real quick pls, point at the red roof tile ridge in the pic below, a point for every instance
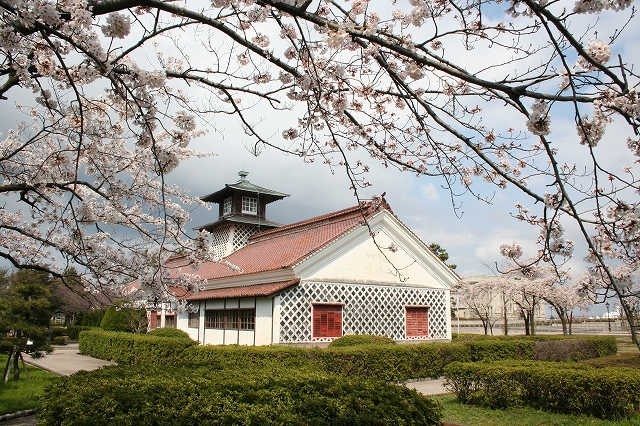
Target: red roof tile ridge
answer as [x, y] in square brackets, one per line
[344, 214]
[371, 214]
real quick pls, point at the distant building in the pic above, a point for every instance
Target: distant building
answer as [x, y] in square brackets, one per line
[312, 281]
[498, 305]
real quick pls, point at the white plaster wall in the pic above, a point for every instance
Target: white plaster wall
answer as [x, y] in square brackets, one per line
[232, 303]
[245, 337]
[264, 321]
[214, 304]
[182, 323]
[201, 306]
[276, 320]
[230, 337]
[247, 303]
[213, 336]
[365, 264]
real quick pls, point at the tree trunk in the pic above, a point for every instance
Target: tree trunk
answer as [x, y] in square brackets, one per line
[570, 322]
[16, 358]
[562, 315]
[504, 314]
[526, 325]
[532, 320]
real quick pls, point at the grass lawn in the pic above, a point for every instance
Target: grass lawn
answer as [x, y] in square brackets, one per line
[25, 394]
[470, 415]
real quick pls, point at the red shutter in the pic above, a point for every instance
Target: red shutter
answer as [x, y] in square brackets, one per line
[154, 320]
[327, 321]
[417, 322]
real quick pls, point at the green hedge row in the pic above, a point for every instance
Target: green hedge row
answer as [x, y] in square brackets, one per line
[562, 387]
[73, 331]
[169, 395]
[361, 339]
[381, 361]
[129, 348]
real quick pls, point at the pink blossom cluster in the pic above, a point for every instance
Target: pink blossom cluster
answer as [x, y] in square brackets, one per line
[598, 52]
[539, 121]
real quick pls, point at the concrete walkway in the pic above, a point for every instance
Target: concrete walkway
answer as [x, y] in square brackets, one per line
[66, 360]
[428, 387]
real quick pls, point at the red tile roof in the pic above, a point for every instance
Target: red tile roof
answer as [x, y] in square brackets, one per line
[257, 290]
[283, 247]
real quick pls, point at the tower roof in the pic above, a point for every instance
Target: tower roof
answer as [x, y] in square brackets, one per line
[244, 186]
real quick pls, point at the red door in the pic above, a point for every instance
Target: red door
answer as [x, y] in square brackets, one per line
[327, 321]
[417, 322]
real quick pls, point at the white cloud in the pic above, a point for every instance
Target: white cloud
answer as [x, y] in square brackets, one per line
[430, 192]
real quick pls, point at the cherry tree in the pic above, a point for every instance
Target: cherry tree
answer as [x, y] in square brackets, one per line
[565, 298]
[114, 91]
[478, 296]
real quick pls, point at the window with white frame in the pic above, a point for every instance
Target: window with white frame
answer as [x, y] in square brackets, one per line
[226, 207]
[249, 205]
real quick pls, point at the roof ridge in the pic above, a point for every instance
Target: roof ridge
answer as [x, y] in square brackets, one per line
[305, 224]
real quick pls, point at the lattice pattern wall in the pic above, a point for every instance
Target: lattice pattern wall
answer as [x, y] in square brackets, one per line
[368, 309]
[220, 241]
[241, 235]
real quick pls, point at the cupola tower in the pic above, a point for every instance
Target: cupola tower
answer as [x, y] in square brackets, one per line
[242, 209]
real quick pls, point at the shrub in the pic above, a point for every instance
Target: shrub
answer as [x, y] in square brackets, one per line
[119, 317]
[569, 388]
[161, 395]
[6, 346]
[361, 339]
[575, 348]
[128, 348]
[170, 332]
[59, 341]
[498, 349]
[73, 331]
[89, 319]
[59, 331]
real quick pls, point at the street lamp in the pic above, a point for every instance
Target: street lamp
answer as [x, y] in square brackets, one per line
[608, 316]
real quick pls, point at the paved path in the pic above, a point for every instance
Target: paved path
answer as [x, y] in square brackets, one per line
[428, 387]
[66, 360]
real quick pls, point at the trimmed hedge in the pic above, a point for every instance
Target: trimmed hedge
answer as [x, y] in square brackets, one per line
[161, 395]
[174, 333]
[73, 331]
[234, 356]
[562, 387]
[361, 339]
[127, 348]
[380, 361]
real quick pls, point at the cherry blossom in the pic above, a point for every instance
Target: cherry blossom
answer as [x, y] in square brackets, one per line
[113, 94]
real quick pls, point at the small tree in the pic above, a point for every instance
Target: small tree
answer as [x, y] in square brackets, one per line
[122, 316]
[26, 309]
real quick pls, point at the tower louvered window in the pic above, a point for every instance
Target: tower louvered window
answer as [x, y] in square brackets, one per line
[417, 321]
[327, 321]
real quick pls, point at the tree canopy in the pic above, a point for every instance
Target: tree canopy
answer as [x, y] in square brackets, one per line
[465, 91]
